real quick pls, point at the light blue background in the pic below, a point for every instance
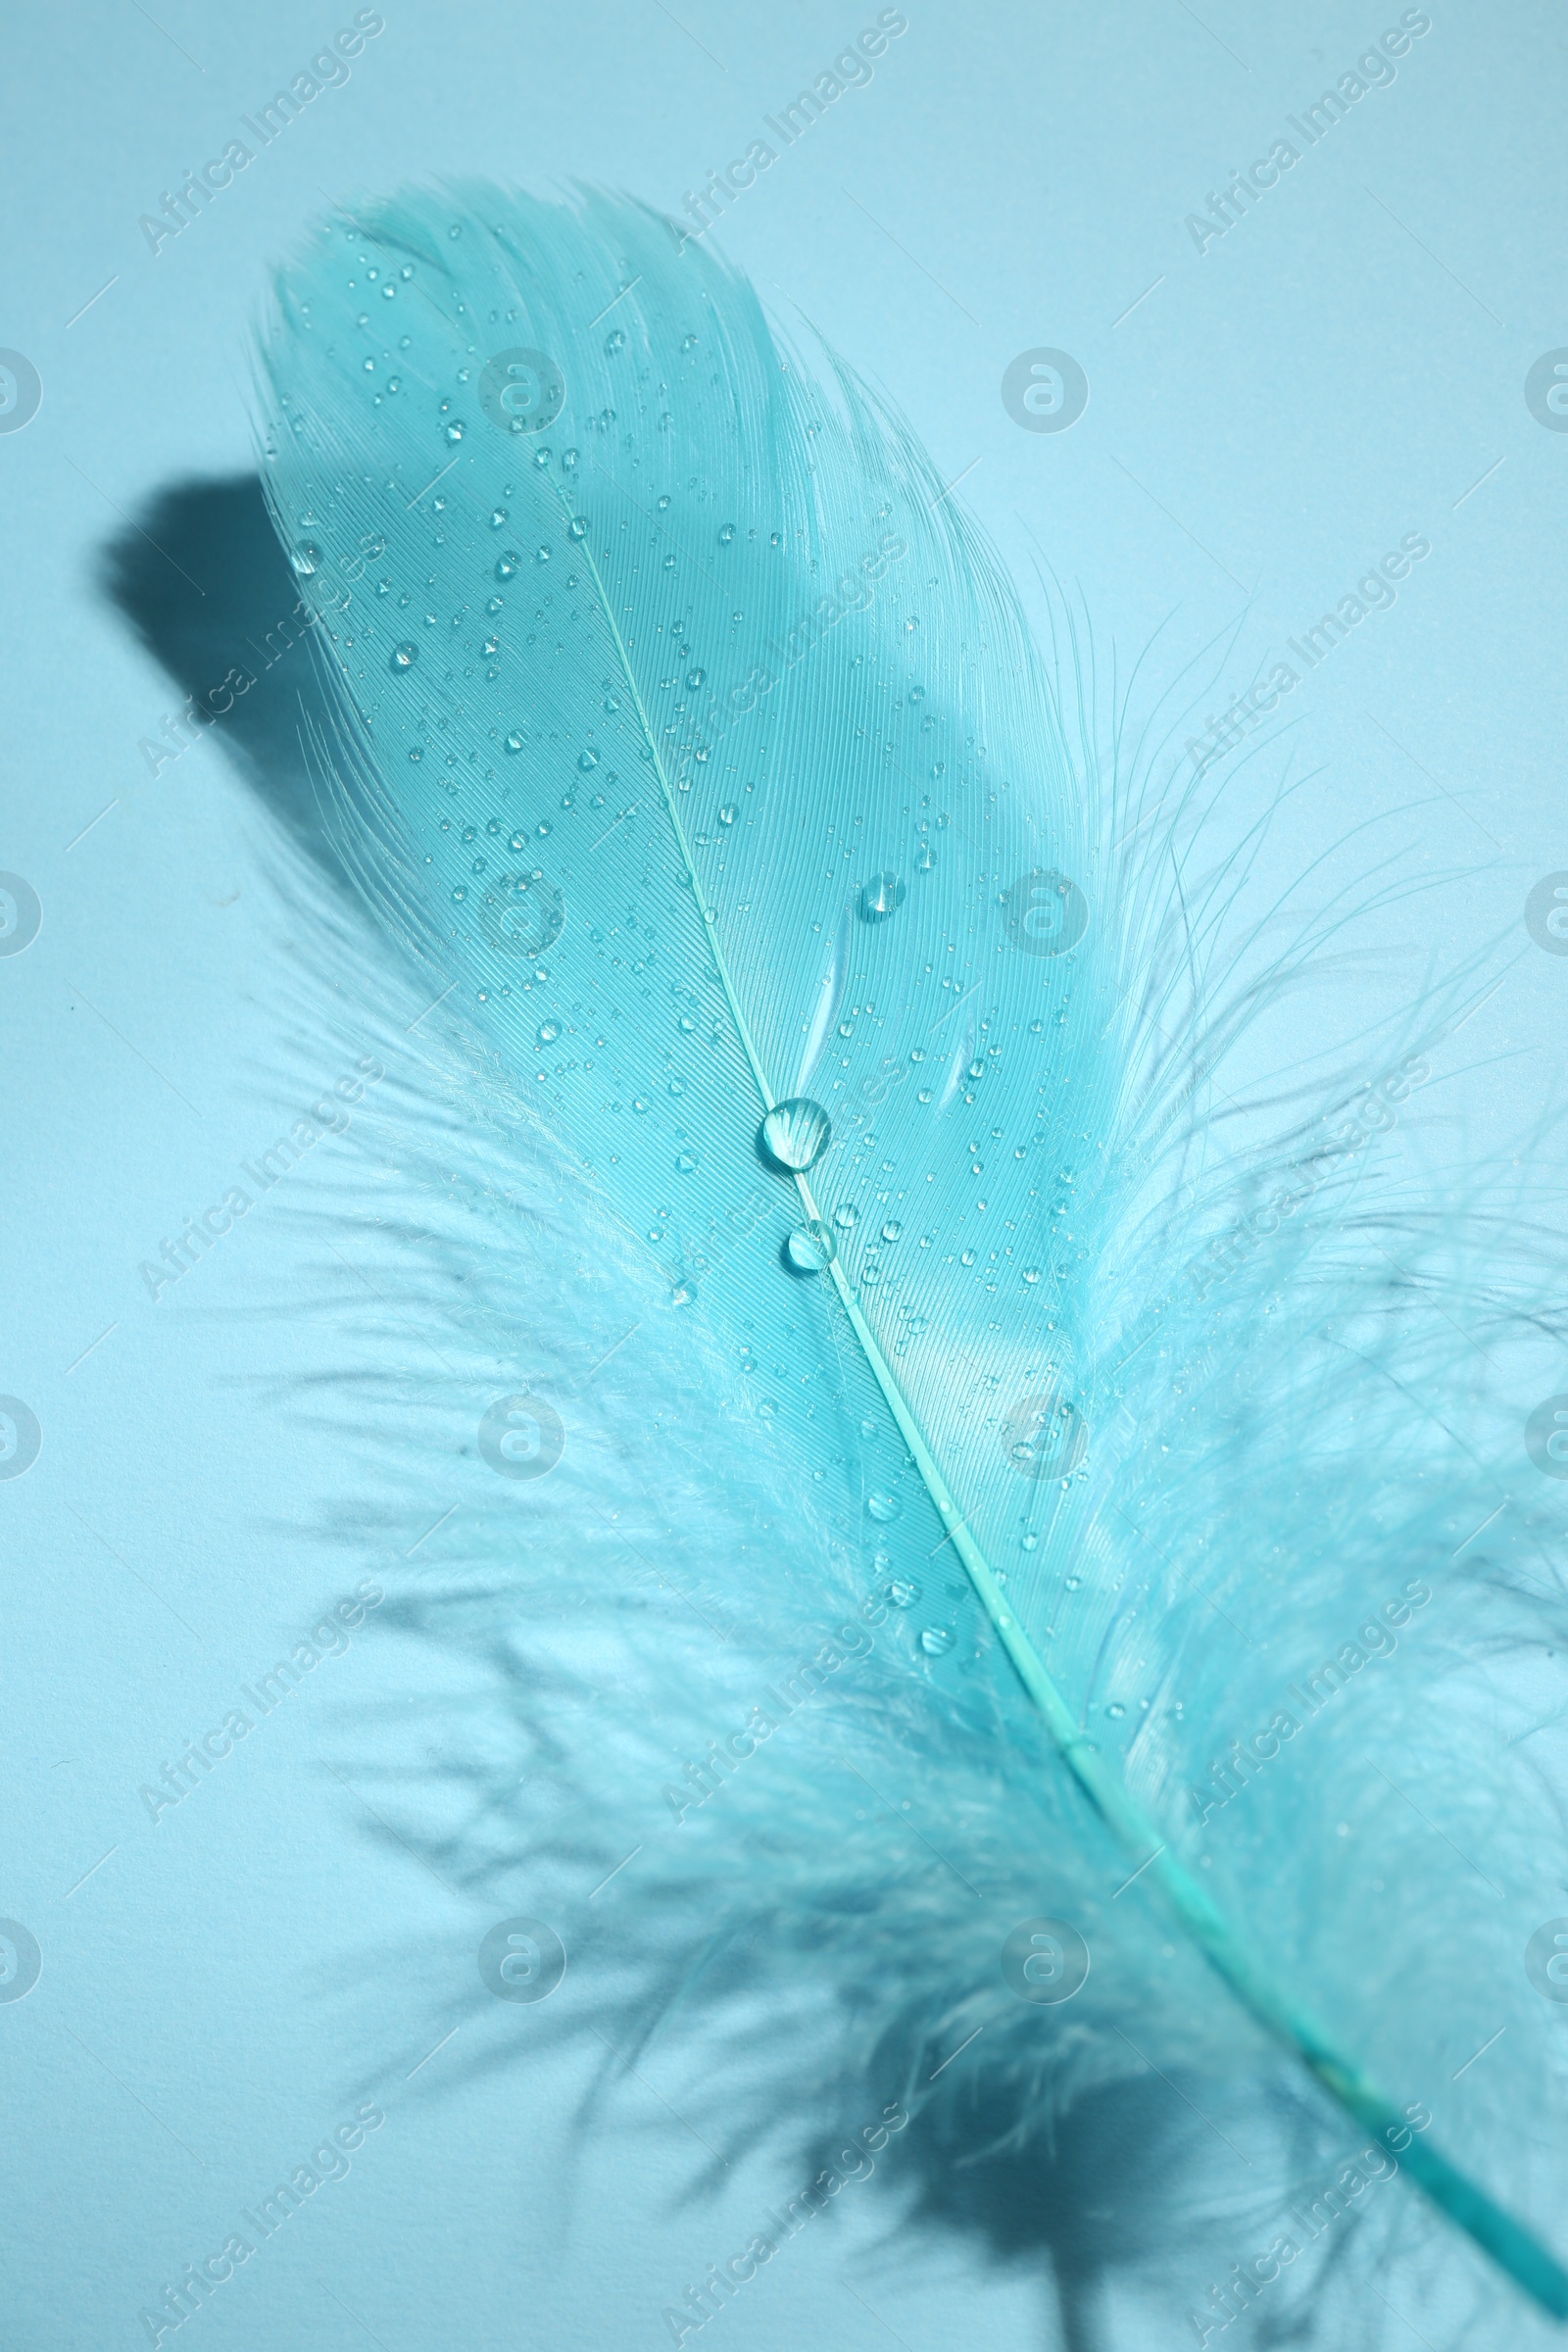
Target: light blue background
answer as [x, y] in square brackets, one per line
[1338, 370]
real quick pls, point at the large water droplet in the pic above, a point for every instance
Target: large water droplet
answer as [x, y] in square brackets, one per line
[845, 1216]
[891, 1230]
[883, 1505]
[305, 559]
[404, 655]
[903, 1593]
[728, 813]
[507, 564]
[809, 1249]
[795, 1134]
[936, 1640]
[881, 896]
[549, 1031]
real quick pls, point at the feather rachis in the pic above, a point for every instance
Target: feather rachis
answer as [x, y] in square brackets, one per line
[1104, 1083]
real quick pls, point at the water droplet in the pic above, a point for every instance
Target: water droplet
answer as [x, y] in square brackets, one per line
[541, 555]
[902, 1593]
[669, 563]
[1115, 1710]
[682, 1294]
[577, 527]
[926, 859]
[728, 813]
[305, 559]
[1031, 1274]
[404, 655]
[883, 1505]
[696, 678]
[514, 740]
[549, 1031]
[845, 1216]
[614, 341]
[967, 1257]
[881, 896]
[686, 1162]
[891, 1230]
[454, 431]
[809, 1249]
[507, 564]
[1073, 1582]
[587, 760]
[497, 516]
[936, 1640]
[639, 1102]
[459, 894]
[726, 534]
[795, 1134]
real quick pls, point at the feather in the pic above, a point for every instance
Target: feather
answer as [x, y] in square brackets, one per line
[682, 726]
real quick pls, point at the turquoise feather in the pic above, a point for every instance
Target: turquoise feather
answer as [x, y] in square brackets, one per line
[689, 733]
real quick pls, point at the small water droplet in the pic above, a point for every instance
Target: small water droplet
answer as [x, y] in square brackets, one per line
[404, 655]
[883, 1505]
[728, 813]
[936, 1640]
[809, 1249]
[454, 431]
[881, 896]
[1031, 1274]
[514, 740]
[795, 1134]
[925, 860]
[726, 534]
[507, 564]
[305, 559]
[549, 1031]
[1115, 1710]
[902, 1593]
[967, 1257]
[696, 678]
[614, 341]
[497, 516]
[1073, 1582]
[577, 527]
[686, 1162]
[639, 1102]
[587, 760]
[845, 1216]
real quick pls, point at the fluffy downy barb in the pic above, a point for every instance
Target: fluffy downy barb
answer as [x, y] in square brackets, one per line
[689, 735]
